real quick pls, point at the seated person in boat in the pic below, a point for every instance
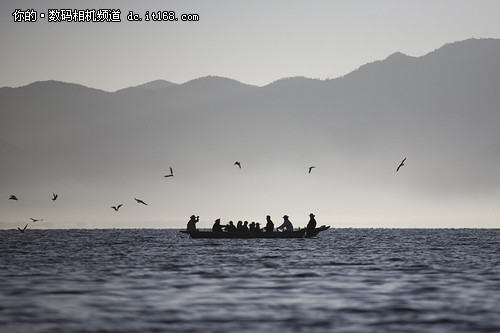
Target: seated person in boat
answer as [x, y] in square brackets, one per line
[230, 227]
[287, 225]
[254, 227]
[239, 226]
[217, 227]
[191, 226]
[311, 225]
[269, 224]
[245, 227]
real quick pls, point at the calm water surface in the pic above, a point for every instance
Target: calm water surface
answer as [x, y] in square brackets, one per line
[346, 280]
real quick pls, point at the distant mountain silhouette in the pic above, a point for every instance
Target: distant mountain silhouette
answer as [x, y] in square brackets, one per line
[214, 81]
[441, 110]
[153, 85]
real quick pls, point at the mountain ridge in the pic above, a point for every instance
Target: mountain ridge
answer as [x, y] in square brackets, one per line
[397, 56]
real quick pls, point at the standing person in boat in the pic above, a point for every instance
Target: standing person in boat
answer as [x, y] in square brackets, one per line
[269, 224]
[217, 227]
[287, 225]
[311, 225]
[191, 226]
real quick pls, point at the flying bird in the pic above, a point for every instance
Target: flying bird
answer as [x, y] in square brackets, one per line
[13, 197]
[140, 201]
[238, 164]
[310, 168]
[23, 229]
[401, 164]
[117, 207]
[171, 173]
[54, 196]
[36, 220]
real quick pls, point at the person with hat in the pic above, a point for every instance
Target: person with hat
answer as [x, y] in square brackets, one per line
[191, 226]
[287, 225]
[311, 225]
[217, 227]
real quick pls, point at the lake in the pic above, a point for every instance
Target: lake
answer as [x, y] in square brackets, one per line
[345, 280]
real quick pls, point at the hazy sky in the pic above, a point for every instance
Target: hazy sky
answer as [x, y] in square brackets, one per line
[255, 42]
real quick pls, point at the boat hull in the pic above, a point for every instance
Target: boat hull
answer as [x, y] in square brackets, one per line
[247, 235]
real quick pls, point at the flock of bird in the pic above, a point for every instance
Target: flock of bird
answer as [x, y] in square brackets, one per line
[15, 198]
[55, 196]
[139, 201]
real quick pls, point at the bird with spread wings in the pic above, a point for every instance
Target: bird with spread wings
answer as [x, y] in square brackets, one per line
[401, 164]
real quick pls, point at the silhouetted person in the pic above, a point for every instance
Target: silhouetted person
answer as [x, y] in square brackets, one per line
[257, 227]
[217, 227]
[245, 227]
[252, 227]
[239, 226]
[269, 224]
[191, 226]
[311, 225]
[287, 225]
[230, 227]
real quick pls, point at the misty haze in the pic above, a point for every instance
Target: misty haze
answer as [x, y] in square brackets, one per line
[99, 149]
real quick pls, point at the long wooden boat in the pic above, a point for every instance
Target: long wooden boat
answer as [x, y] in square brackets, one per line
[302, 233]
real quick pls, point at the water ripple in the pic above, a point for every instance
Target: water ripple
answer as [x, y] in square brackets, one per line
[347, 280]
